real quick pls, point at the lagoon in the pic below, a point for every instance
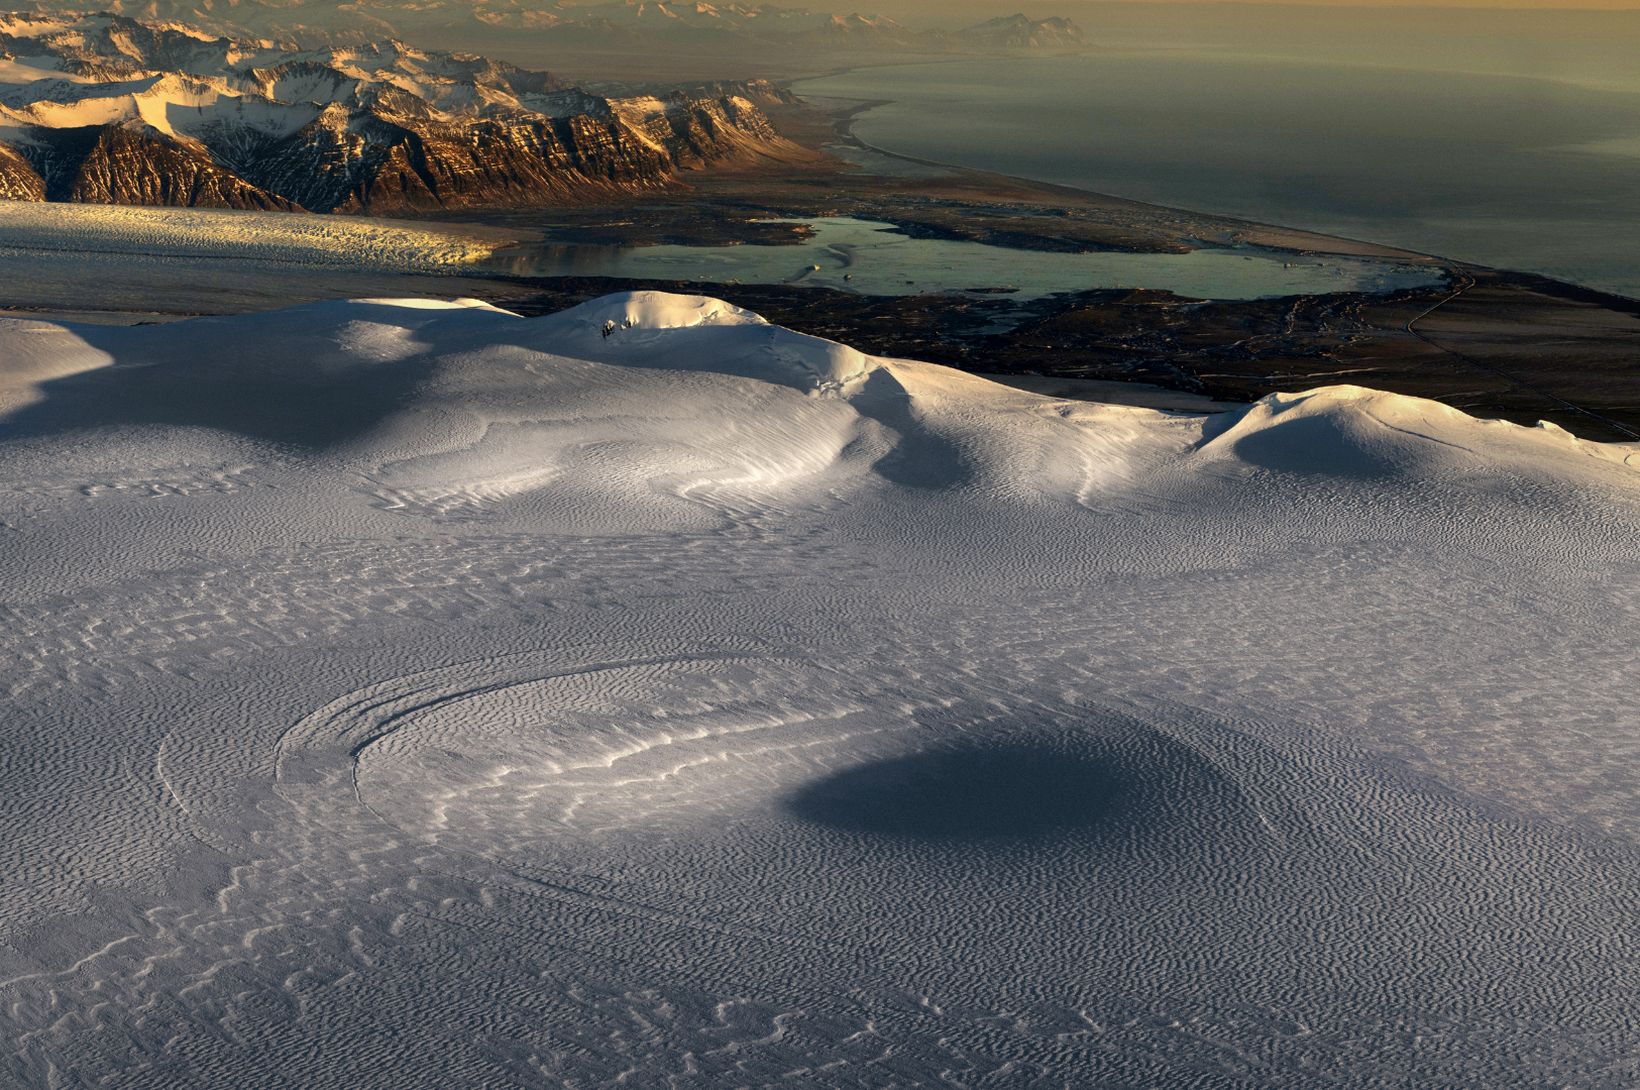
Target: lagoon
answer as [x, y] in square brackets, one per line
[871, 258]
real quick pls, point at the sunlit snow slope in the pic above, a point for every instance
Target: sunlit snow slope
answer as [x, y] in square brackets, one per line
[410, 694]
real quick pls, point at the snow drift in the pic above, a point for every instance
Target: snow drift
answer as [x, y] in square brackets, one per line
[411, 694]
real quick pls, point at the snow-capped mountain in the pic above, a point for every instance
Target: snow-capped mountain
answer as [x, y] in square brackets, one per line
[109, 109]
[694, 20]
[1021, 32]
[628, 22]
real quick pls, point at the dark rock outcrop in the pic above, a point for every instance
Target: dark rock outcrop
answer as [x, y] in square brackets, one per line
[137, 165]
[19, 181]
[186, 119]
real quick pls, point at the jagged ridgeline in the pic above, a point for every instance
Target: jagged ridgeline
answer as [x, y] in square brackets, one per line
[597, 24]
[102, 108]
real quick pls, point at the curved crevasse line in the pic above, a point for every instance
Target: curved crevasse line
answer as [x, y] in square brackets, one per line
[569, 884]
[358, 706]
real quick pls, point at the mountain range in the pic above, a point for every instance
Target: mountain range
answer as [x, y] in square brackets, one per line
[601, 23]
[109, 109]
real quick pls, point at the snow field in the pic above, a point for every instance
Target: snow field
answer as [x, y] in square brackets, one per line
[412, 694]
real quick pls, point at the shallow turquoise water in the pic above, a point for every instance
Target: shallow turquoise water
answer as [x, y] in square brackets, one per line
[875, 259]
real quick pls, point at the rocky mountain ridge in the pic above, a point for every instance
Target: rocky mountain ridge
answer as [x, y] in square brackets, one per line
[601, 25]
[1019, 31]
[109, 109]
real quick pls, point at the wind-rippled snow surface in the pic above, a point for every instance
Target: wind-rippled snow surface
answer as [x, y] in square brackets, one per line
[409, 695]
[262, 237]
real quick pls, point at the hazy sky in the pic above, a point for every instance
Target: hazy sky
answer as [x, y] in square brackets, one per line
[1543, 5]
[933, 7]
[1547, 40]
[942, 9]
[1547, 5]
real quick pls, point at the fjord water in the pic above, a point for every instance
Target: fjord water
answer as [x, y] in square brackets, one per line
[1523, 173]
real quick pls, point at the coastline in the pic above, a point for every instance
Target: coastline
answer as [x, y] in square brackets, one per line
[1263, 230]
[1274, 236]
[1516, 346]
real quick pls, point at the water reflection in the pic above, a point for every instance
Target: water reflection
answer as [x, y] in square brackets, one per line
[871, 258]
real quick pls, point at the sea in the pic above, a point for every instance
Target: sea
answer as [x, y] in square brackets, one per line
[1534, 174]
